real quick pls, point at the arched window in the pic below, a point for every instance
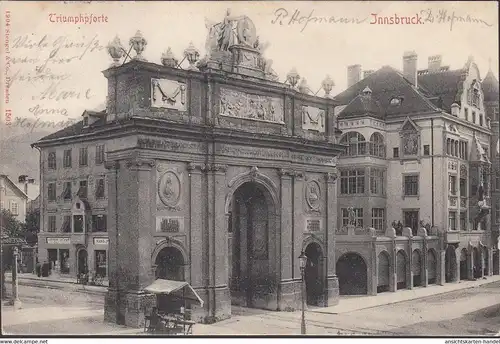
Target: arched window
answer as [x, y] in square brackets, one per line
[356, 144]
[448, 146]
[377, 146]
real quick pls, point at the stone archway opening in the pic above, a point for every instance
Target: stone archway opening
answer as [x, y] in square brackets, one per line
[253, 281]
[401, 270]
[478, 264]
[383, 272]
[431, 267]
[82, 261]
[416, 268]
[314, 274]
[352, 274]
[450, 264]
[170, 264]
[463, 264]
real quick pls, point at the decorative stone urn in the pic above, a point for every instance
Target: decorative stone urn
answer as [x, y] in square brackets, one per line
[138, 43]
[168, 59]
[327, 85]
[116, 51]
[192, 55]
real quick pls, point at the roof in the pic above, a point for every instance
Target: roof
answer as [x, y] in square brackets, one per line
[177, 288]
[74, 129]
[387, 83]
[490, 87]
[445, 87]
[13, 185]
[363, 105]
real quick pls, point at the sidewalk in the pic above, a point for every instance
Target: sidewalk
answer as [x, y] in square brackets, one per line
[355, 303]
[55, 282]
[51, 278]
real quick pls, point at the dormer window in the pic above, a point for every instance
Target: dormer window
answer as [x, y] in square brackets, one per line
[396, 101]
[474, 94]
[86, 121]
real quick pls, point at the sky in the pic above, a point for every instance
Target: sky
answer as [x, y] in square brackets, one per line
[76, 53]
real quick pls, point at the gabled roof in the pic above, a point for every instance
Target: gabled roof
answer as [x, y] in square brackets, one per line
[13, 186]
[388, 83]
[363, 105]
[490, 87]
[444, 87]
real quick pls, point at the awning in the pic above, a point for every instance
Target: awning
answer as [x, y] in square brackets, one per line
[177, 288]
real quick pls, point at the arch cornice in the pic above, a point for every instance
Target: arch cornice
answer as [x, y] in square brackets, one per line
[310, 239]
[170, 242]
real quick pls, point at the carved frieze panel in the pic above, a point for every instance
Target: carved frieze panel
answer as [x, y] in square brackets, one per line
[313, 195]
[452, 165]
[313, 225]
[169, 145]
[168, 94]
[169, 224]
[313, 118]
[251, 106]
[463, 171]
[169, 188]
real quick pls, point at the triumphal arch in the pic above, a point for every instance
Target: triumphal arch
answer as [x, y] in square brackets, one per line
[219, 175]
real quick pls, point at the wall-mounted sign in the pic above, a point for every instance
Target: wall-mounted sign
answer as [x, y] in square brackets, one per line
[313, 225]
[101, 241]
[58, 241]
[169, 224]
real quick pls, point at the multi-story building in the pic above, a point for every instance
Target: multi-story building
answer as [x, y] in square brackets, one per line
[417, 173]
[74, 199]
[13, 198]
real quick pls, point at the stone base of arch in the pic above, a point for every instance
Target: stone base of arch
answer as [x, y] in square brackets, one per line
[127, 308]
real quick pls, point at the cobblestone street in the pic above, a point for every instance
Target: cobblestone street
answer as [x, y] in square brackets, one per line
[68, 309]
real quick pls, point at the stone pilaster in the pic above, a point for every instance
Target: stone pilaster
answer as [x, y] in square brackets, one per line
[393, 284]
[470, 264]
[373, 275]
[332, 282]
[425, 264]
[219, 296]
[409, 264]
[298, 221]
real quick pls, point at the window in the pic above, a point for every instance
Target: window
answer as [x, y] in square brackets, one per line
[52, 160]
[99, 223]
[452, 220]
[497, 181]
[378, 219]
[411, 185]
[463, 220]
[497, 211]
[427, 150]
[99, 191]
[352, 182]
[377, 182]
[453, 185]
[356, 144]
[100, 263]
[83, 157]
[85, 121]
[82, 191]
[51, 193]
[377, 146]
[466, 112]
[99, 154]
[66, 226]
[475, 95]
[14, 208]
[395, 152]
[67, 158]
[473, 117]
[410, 219]
[358, 217]
[463, 187]
[67, 191]
[481, 120]
[463, 150]
[78, 225]
[52, 223]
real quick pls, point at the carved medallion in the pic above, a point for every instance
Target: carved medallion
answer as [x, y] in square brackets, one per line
[168, 94]
[410, 144]
[313, 118]
[169, 189]
[251, 106]
[313, 195]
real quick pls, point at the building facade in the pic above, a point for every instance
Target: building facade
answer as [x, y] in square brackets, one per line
[416, 180]
[13, 198]
[74, 200]
[217, 174]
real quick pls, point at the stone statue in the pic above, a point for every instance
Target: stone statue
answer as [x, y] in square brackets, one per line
[351, 216]
[228, 35]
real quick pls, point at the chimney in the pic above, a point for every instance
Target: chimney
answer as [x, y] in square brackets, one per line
[434, 63]
[367, 72]
[26, 188]
[410, 66]
[353, 74]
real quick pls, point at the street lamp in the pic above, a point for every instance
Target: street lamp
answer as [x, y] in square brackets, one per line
[302, 262]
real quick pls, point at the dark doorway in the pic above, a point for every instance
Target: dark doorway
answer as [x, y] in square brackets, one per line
[416, 268]
[82, 261]
[52, 253]
[463, 264]
[401, 270]
[313, 274]
[170, 264]
[410, 219]
[486, 262]
[383, 272]
[252, 276]
[352, 274]
[450, 265]
[478, 264]
[496, 267]
[431, 267]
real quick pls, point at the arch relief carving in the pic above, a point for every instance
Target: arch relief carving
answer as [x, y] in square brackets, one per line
[170, 189]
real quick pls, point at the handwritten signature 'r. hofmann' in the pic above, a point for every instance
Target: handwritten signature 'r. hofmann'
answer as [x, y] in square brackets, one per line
[444, 16]
[283, 17]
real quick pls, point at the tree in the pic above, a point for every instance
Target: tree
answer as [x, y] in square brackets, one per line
[31, 227]
[11, 226]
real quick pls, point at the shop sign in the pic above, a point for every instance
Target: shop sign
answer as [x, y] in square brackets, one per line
[101, 241]
[58, 241]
